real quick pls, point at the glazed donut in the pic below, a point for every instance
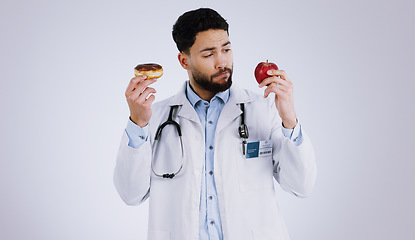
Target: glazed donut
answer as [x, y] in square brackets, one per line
[151, 70]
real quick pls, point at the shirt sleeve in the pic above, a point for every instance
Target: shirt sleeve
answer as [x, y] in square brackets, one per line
[137, 135]
[295, 135]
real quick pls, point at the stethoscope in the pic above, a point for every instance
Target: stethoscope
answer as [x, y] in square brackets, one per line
[243, 133]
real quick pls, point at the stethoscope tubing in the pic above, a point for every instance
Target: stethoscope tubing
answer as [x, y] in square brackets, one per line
[156, 143]
[167, 175]
[243, 133]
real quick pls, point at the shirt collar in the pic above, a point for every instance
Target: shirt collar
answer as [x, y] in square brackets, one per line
[194, 98]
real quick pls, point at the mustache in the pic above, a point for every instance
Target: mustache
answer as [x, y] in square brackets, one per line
[222, 71]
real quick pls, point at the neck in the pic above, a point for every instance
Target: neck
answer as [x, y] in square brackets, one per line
[202, 93]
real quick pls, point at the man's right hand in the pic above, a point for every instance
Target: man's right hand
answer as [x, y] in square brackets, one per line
[139, 101]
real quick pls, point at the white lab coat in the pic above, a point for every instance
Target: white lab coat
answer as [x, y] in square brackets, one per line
[245, 187]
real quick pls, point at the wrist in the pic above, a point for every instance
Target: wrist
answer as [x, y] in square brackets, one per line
[138, 123]
[289, 124]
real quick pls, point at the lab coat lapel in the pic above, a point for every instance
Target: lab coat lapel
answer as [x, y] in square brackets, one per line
[232, 110]
[186, 110]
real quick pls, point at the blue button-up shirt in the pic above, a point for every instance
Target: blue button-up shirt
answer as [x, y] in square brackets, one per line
[210, 226]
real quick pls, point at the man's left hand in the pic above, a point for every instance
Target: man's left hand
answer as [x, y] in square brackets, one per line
[280, 84]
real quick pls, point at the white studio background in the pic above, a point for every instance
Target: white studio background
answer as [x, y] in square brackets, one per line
[65, 65]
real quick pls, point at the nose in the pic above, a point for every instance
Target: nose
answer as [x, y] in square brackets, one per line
[220, 61]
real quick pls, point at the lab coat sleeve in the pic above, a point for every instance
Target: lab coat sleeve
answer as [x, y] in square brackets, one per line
[132, 172]
[294, 166]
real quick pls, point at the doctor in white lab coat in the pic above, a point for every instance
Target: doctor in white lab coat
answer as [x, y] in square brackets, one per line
[244, 185]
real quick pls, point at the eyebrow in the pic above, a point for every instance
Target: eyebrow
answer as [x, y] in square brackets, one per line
[213, 48]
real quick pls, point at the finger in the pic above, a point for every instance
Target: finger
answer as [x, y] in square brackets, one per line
[280, 73]
[141, 87]
[272, 88]
[144, 84]
[133, 84]
[283, 87]
[149, 100]
[144, 95]
[270, 80]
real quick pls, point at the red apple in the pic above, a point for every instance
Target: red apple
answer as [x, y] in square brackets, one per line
[261, 70]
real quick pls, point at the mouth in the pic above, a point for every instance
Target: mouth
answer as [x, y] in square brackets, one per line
[224, 74]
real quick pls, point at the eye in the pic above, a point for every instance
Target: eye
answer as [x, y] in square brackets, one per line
[208, 55]
[227, 50]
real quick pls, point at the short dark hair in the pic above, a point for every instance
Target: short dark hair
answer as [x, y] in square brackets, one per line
[191, 23]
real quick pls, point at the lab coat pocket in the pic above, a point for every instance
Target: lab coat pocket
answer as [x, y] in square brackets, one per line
[254, 173]
[158, 235]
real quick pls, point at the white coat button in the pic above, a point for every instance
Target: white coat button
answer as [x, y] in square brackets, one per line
[197, 172]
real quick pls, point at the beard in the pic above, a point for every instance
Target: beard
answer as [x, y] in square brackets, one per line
[206, 82]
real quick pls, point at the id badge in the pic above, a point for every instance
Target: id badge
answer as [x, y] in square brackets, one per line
[258, 149]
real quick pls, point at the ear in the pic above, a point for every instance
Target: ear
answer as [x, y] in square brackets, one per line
[184, 60]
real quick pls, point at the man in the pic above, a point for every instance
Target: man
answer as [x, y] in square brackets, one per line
[218, 183]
